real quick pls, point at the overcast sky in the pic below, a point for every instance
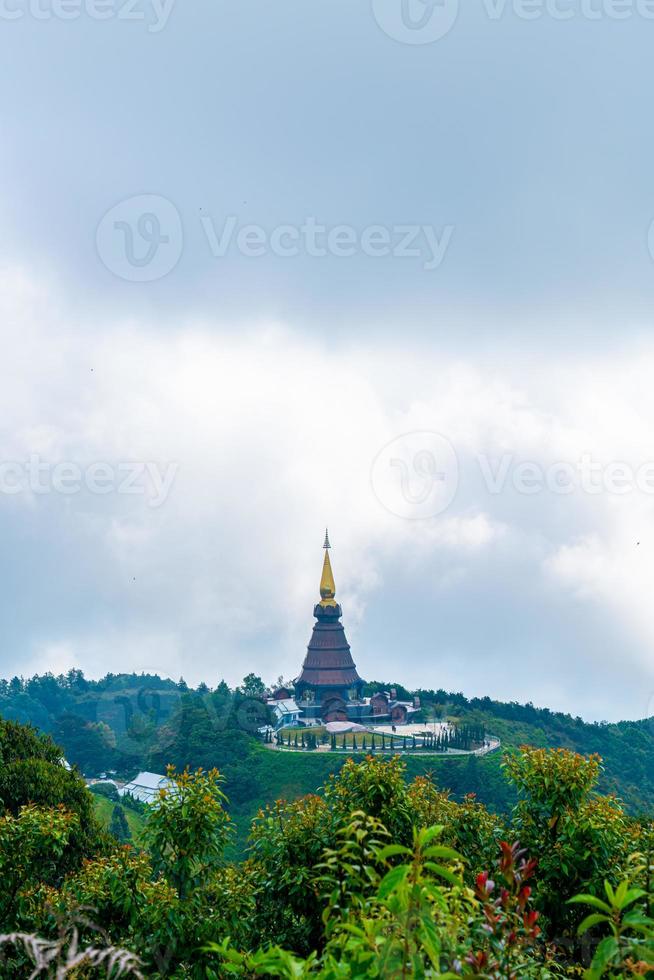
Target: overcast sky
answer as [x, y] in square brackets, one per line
[379, 265]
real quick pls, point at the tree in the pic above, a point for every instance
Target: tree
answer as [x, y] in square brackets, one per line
[374, 786]
[402, 912]
[119, 826]
[223, 691]
[253, 686]
[575, 834]
[373, 877]
[292, 837]
[31, 848]
[89, 745]
[32, 773]
[188, 828]
[76, 680]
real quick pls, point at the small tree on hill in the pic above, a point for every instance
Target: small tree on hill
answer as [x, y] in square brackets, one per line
[119, 826]
[253, 686]
[188, 829]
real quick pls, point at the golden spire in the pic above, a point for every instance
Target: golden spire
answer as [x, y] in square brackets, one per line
[327, 586]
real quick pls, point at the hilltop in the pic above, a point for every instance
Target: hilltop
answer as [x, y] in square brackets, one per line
[127, 722]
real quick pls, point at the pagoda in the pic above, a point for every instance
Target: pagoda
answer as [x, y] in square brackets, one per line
[329, 685]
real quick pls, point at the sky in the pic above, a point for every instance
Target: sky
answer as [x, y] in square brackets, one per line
[382, 265]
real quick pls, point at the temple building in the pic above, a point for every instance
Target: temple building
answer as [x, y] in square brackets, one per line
[329, 688]
[329, 681]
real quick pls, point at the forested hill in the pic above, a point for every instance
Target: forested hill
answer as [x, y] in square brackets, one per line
[128, 722]
[627, 747]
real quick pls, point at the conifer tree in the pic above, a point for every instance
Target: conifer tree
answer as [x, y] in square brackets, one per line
[119, 826]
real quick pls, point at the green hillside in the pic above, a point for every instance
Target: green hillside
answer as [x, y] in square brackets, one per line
[375, 874]
[129, 722]
[104, 809]
[287, 775]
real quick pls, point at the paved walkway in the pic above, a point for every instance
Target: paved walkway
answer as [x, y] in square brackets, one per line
[432, 728]
[492, 744]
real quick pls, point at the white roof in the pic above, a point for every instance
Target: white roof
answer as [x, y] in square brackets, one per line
[339, 727]
[150, 779]
[285, 705]
[146, 786]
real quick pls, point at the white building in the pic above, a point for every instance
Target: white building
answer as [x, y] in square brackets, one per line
[145, 787]
[285, 712]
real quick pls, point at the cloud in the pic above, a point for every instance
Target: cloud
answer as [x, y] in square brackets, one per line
[274, 436]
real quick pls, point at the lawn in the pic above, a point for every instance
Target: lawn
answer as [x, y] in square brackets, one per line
[104, 809]
[360, 741]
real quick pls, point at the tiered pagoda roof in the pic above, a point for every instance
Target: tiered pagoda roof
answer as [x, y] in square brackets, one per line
[328, 668]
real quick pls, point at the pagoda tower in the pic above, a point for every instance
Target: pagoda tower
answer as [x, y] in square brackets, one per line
[329, 679]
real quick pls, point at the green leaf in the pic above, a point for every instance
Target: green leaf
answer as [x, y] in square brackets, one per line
[595, 903]
[605, 953]
[443, 872]
[641, 923]
[391, 850]
[591, 920]
[391, 880]
[429, 833]
[443, 852]
[631, 896]
[620, 893]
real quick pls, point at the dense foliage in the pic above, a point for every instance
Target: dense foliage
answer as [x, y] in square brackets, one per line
[374, 875]
[128, 722]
